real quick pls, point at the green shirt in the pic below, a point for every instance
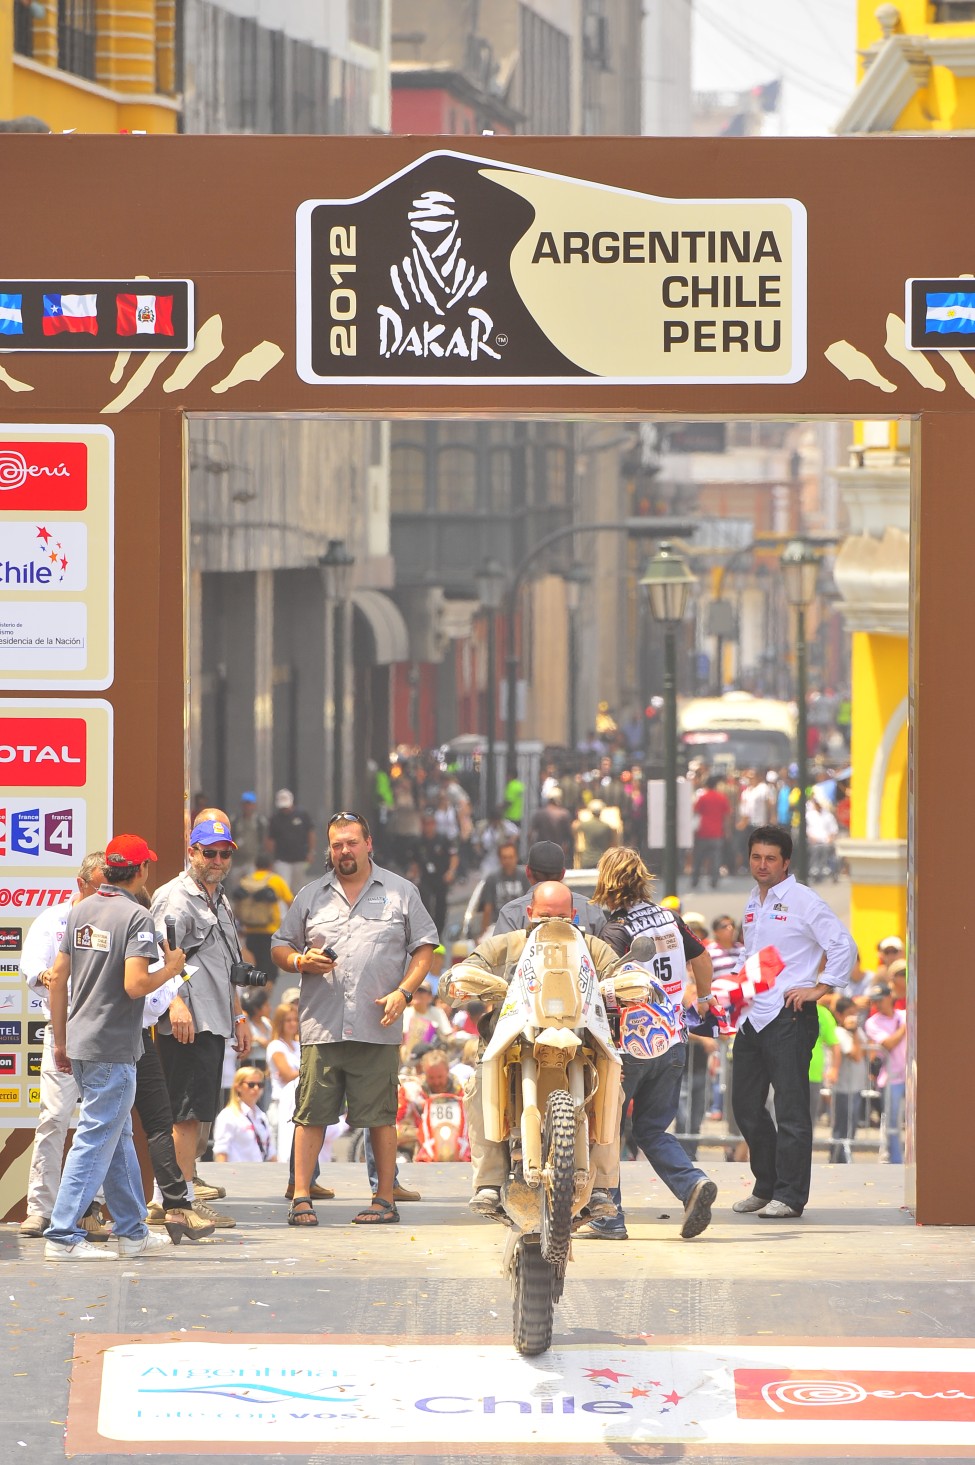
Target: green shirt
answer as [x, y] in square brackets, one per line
[514, 800]
[826, 1039]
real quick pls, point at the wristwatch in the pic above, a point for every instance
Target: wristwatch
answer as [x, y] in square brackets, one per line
[407, 996]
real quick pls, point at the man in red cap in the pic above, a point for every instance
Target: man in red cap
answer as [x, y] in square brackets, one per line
[109, 943]
[192, 1035]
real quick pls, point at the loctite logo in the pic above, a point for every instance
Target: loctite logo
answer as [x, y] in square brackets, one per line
[43, 752]
[43, 476]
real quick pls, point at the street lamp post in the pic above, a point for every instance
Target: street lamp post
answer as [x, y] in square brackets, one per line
[800, 569]
[575, 577]
[668, 581]
[336, 566]
[491, 582]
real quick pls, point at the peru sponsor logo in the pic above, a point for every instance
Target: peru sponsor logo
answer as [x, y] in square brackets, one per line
[878, 1396]
[44, 476]
[43, 752]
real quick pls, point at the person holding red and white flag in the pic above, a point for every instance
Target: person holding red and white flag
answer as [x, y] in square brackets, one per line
[777, 1029]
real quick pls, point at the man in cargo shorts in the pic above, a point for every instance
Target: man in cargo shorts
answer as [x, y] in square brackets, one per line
[361, 942]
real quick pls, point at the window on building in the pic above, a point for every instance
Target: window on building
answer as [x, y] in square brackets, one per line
[408, 470]
[365, 23]
[76, 37]
[23, 29]
[946, 12]
[544, 75]
[456, 470]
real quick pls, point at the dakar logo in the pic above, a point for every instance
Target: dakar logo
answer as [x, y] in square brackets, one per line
[436, 277]
[15, 470]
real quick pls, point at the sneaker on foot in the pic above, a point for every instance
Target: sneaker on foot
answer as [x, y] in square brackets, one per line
[602, 1206]
[218, 1219]
[486, 1201]
[34, 1226]
[203, 1190]
[604, 1233]
[697, 1211]
[778, 1210]
[140, 1245]
[749, 1203]
[80, 1251]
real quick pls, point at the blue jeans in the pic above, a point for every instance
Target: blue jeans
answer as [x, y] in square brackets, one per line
[776, 1057]
[102, 1154]
[893, 1112]
[371, 1170]
[654, 1087]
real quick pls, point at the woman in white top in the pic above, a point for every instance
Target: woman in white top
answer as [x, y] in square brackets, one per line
[241, 1131]
[283, 1059]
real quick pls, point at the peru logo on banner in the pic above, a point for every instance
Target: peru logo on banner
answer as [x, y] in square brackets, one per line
[43, 477]
[825, 1394]
[43, 752]
[144, 315]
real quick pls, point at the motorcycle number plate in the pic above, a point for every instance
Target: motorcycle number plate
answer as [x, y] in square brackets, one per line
[446, 1112]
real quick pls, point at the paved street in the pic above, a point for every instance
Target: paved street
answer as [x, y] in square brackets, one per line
[411, 1326]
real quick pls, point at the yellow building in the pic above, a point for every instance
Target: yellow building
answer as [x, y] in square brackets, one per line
[917, 74]
[91, 65]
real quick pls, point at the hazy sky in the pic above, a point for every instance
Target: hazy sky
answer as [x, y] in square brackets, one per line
[811, 44]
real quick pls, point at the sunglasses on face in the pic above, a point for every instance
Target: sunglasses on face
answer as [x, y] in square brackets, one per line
[252, 1084]
[217, 854]
[347, 815]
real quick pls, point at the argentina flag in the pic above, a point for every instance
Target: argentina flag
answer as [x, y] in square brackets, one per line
[11, 315]
[950, 314]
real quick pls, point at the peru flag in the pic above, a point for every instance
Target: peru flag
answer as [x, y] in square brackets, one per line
[69, 313]
[145, 315]
[735, 993]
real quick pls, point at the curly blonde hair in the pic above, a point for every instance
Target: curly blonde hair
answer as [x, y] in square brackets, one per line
[624, 880]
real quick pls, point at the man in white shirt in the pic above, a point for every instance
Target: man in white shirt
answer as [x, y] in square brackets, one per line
[59, 1091]
[775, 1036]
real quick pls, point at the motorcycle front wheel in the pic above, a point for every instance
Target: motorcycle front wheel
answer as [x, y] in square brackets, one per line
[533, 1299]
[558, 1166]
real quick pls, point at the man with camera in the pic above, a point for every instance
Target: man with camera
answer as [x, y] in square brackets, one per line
[191, 1036]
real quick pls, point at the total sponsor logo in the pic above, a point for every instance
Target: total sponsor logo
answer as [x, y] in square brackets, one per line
[43, 752]
[46, 832]
[44, 476]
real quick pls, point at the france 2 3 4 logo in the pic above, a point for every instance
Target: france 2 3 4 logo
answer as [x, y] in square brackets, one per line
[41, 833]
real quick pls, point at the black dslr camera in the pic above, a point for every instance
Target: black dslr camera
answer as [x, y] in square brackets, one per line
[242, 974]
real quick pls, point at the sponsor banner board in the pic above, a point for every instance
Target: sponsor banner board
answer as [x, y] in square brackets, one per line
[55, 806]
[57, 567]
[265, 1394]
[460, 269]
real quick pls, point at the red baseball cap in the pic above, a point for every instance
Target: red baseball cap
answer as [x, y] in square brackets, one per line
[128, 849]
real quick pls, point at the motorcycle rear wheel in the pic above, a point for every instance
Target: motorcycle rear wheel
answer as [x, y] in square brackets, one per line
[533, 1301]
[558, 1160]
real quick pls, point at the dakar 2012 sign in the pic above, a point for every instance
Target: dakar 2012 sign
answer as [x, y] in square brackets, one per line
[459, 269]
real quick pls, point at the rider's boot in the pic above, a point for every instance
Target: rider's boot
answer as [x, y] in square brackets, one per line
[486, 1201]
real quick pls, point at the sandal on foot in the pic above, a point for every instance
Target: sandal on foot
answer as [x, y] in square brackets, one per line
[380, 1213]
[301, 1212]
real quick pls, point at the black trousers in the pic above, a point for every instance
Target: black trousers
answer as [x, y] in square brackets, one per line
[777, 1057]
[154, 1109]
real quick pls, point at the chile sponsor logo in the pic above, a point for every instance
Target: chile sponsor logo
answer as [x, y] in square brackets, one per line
[44, 476]
[43, 752]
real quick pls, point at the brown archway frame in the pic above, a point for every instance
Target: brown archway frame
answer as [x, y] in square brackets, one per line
[576, 330]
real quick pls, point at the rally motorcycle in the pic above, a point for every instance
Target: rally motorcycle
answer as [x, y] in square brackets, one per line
[550, 1088]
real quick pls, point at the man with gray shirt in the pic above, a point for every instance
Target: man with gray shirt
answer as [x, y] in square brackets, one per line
[192, 1035]
[59, 1092]
[362, 942]
[109, 943]
[546, 861]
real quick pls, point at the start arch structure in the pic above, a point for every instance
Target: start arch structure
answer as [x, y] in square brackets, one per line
[146, 278]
